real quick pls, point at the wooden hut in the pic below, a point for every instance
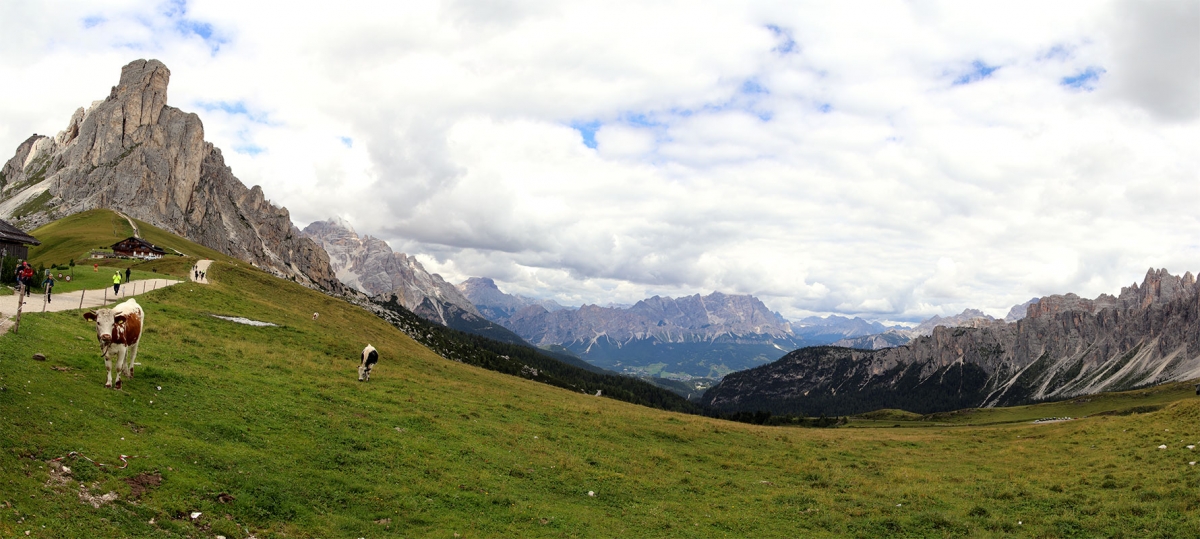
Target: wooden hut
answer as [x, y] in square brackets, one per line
[137, 248]
[13, 242]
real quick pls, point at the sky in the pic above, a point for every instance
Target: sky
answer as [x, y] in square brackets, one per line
[891, 160]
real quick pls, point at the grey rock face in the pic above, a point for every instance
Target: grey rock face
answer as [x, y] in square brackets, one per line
[688, 319]
[133, 153]
[369, 265]
[495, 304]
[967, 318]
[1018, 311]
[877, 341]
[1065, 346]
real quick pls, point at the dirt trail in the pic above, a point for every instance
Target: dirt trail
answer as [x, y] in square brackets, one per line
[71, 300]
[201, 268]
[136, 233]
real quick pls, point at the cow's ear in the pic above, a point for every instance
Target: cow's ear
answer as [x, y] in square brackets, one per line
[119, 319]
[90, 316]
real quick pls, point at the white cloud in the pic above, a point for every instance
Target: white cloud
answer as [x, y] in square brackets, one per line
[899, 162]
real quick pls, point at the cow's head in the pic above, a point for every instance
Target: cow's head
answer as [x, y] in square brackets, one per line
[105, 321]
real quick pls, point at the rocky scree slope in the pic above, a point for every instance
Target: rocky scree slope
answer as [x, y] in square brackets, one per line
[132, 153]
[1064, 347]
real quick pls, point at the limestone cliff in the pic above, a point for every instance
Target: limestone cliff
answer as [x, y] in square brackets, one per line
[133, 153]
[368, 264]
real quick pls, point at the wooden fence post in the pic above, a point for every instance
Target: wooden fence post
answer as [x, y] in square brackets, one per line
[20, 304]
[82, 291]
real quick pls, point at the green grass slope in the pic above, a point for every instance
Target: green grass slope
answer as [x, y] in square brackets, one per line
[265, 431]
[75, 236]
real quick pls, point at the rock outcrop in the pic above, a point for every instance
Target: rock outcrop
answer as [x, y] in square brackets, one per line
[369, 265]
[495, 304]
[967, 318]
[1066, 346]
[133, 153]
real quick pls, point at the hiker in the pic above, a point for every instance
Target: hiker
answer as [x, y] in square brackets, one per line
[116, 282]
[25, 275]
[127, 275]
[48, 284]
[24, 280]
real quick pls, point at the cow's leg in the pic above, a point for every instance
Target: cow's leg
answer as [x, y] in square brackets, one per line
[120, 366]
[132, 357]
[108, 367]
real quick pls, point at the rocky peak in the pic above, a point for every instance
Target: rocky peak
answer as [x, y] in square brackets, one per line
[1019, 311]
[142, 94]
[1157, 288]
[368, 264]
[495, 305]
[967, 318]
[133, 153]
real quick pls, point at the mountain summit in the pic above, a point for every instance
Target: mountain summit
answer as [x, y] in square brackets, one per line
[133, 153]
[369, 265]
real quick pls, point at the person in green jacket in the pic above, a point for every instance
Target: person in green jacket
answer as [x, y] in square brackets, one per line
[116, 282]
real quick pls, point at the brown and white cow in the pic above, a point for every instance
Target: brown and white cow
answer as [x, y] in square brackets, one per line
[119, 331]
[369, 358]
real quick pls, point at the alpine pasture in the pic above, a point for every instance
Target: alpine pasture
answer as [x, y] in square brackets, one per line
[242, 431]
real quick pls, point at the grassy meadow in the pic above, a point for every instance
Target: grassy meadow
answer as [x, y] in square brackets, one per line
[265, 431]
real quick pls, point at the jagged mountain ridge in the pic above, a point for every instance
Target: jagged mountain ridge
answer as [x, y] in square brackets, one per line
[694, 336]
[369, 265]
[132, 153]
[897, 336]
[1065, 346]
[494, 304]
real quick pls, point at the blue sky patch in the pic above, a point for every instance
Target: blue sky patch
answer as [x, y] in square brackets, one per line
[176, 11]
[588, 131]
[641, 120]
[978, 72]
[753, 87]
[1058, 52]
[237, 108]
[93, 21]
[248, 148]
[188, 26]
[787, 44]
[1084, 80]
[347, 141]
[825, 108]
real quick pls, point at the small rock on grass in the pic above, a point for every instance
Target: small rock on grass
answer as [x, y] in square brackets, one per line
[39, 357]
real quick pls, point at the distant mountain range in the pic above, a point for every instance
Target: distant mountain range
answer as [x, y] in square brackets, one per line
[1066, 346]
[693, 336]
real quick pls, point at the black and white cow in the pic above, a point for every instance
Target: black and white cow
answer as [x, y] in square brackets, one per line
[369, 358]
[119, 331]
